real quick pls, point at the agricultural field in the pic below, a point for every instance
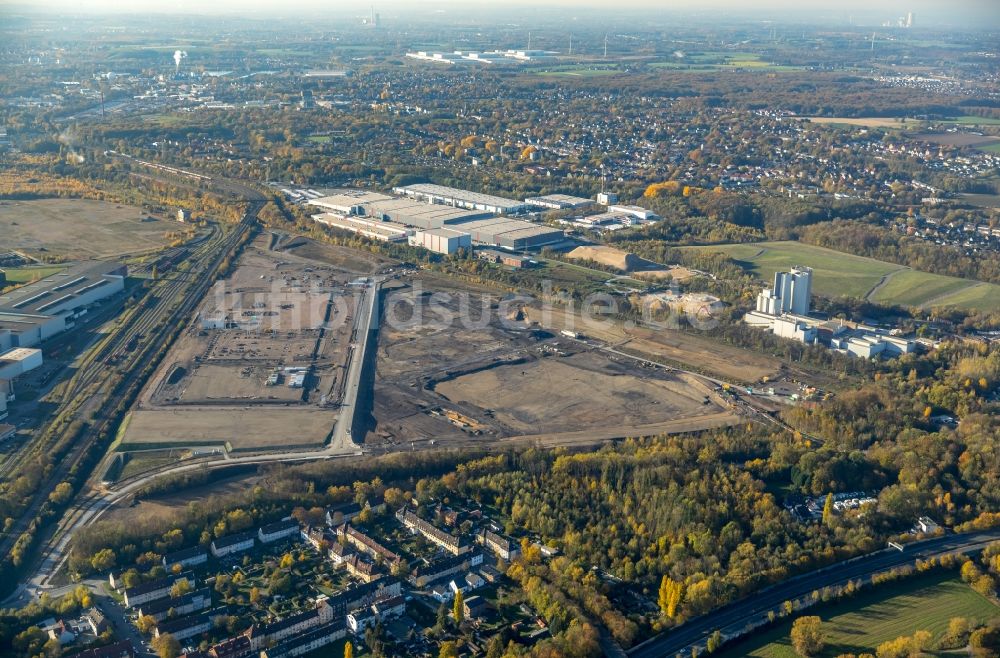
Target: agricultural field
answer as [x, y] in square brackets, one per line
[723, 61]
[864, 122]
[81, 228]
[969, 120]
[578, 71]
[960, 140]
[860, 625]
[840, 274]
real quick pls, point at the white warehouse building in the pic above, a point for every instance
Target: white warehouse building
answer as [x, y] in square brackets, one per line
[442, 240]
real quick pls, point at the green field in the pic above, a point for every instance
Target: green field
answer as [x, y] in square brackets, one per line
[992, 148]
[969, 120]
[834, 273]
[861, 624]
[578, 71]
[912, 288]
[838, 274]
[722, 60]
[29, 274]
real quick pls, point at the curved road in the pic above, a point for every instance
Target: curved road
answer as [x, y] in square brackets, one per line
[735, 618]
[341, 445]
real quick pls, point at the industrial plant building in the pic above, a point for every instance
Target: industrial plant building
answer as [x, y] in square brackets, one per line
[784, 310]
[441, 240]
[40, 310]
[635, 211]
[369, 228]
[13, 364]
[791, 293]
[433, 217]
[452, 196]
[421, 214]
[510, 233]
[559, 202]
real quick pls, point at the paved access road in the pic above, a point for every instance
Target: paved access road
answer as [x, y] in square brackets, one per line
[737, 616]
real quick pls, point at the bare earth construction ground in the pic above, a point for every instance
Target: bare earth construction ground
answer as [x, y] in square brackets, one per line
[80, 228]
[245, 427]
[476, 381]
[231, 377]
[585, 390]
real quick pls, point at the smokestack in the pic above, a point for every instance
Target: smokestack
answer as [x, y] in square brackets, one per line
[178, 56]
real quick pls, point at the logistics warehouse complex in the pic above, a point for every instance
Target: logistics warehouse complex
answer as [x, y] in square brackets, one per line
[40, 310]
[435, 217]
[37, 311]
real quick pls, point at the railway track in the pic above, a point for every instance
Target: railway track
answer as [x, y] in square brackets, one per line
[111, 349]
[169, 304]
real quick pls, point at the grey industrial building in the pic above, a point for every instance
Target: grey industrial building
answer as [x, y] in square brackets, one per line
[421, 214]
[509, 233]
[452, 196]
[427, 213]
[40, 310]
[559, 201]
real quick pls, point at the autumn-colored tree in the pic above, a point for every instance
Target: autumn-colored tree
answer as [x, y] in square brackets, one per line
[167, 646]
[828, 510]
[103, 560]
[807, 636]
[670, 595]
[180, 588]
[458, 607]
[145, 623]
[348, 649]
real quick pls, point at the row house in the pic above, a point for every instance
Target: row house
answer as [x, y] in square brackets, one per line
[308, 642]
[233, 544]
[452, 544]
[366, 544]
[153, 590]
[160, 609]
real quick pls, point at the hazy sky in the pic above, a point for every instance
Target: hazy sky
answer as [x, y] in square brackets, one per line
[984, 13]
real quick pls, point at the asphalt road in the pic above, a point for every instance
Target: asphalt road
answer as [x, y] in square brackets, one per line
[341, 437]
[735, 617]
[341, 445]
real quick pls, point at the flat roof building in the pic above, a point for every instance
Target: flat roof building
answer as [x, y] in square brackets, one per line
[559, 201]
[65, 292]
[421, 214]
[510, 233]
[441, 240]
[459, 198]
[369, 228]
[348, 202]
[635, 211]
[18, 361]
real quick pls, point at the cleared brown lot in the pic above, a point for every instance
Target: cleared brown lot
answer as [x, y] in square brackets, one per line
[581, 392]
[80, 228]
[700, 354]
[245, 428]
